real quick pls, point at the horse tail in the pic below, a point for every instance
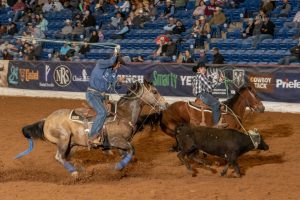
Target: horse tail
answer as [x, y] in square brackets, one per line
[152, 119]
[33, 131]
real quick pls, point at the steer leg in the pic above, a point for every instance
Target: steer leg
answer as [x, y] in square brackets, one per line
[236, 167]
[224, 172]
[181, 156]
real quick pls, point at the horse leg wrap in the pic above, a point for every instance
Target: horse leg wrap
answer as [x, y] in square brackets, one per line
[69, 167]
[123, 163]
[20, 155]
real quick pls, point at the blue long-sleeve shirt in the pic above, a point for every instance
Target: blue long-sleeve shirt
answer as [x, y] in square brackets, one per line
[102, 76]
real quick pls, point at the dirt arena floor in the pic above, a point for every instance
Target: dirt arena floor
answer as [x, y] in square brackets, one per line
[156, 174]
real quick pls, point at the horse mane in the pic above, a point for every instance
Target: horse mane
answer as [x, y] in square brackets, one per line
[231, 101]
[131, 92]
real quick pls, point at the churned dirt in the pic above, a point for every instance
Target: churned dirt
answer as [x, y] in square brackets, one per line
[156, 173]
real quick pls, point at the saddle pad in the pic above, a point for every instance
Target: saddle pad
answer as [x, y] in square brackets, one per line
[81, 119]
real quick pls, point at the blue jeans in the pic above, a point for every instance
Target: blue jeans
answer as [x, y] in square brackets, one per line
[259, 38]
[96, 102]
[213, 103]
[287, 60]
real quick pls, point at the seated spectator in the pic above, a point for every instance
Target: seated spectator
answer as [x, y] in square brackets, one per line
[123, 6]
[84, 48]
[12, 29]
[64, 49]
[170, 26]
[210, 9]
[33, 31]
[203, 58]
[66, 31]
[84, 5]
[55, 57]
[121, 34]
[94, 37]
[77, 31]
[48, 6]
[139, 20]
[130, 19]
[169, 10]
[6, 55]
[18, 9]
[74, 4]
[88, 22]
[3, 30]
[179, 28]
[186, 57]
[200, 31]
[267, 32]
[267, 6]
[218, 58]
[43, 24]
[284, 9]
[151, 10]
[57, 6]
[117, 21]
[200, 9]
[248, 32]
[100, 6]
[257, 26]
[37, 49]
[9, 47]
[166, 52]
[295, 23]
[217, 22]
[138, 59]
[294, 57]
[100, 35]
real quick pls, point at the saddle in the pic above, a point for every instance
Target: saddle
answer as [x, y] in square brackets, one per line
[88, 112]
[198, 104]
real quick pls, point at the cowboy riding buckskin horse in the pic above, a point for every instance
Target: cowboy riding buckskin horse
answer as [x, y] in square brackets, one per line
[60, 129]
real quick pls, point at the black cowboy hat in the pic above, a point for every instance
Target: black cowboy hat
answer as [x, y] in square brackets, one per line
[200, 64]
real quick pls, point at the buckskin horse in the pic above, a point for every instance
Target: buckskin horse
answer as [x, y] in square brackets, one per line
[66, 133]
[182, 112]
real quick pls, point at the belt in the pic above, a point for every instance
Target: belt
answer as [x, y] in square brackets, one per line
[89, 89]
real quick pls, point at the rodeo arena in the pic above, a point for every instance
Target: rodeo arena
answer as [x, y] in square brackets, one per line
[200, 99]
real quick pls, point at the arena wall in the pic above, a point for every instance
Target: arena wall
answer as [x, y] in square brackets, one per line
[270, 106]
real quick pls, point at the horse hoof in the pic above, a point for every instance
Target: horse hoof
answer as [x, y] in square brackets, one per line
[75, 174]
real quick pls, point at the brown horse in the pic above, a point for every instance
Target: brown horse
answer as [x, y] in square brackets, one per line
[181, 113]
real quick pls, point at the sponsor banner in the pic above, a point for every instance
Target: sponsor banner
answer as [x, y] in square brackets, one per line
[271, 82]
[3, 73]
[60, 76]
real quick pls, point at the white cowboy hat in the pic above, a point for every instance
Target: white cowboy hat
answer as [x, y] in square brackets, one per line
[68, 21]
[201, 17]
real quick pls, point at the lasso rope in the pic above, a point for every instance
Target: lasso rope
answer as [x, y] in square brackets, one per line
[31, 39]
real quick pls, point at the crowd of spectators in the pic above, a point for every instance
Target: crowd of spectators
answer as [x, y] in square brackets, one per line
[81, 31]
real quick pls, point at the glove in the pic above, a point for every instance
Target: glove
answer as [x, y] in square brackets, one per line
[117, 50]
